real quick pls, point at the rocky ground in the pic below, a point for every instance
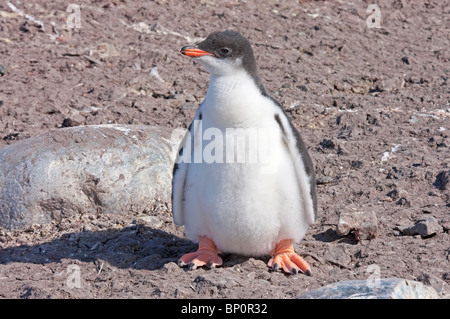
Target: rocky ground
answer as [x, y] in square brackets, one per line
[372, 104]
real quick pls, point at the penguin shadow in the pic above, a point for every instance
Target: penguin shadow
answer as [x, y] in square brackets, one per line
[230, 259]
[134, 246]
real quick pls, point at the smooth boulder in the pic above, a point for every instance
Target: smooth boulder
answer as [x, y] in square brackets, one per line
[100, 168]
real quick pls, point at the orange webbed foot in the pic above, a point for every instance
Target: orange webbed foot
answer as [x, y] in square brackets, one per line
[206, 255]
[285, 257]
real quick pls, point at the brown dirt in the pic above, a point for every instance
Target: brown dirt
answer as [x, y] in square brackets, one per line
[372, 104]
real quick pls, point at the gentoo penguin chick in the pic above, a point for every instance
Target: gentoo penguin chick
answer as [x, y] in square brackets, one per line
[243, 181]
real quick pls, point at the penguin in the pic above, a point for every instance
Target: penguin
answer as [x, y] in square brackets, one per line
[243, 181]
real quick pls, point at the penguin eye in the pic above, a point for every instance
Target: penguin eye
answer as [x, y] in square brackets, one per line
[224, 51]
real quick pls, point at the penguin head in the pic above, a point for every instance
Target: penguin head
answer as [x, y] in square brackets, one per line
[223, 53]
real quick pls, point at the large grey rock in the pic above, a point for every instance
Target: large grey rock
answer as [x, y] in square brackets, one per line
[386, 288]
[107, 168]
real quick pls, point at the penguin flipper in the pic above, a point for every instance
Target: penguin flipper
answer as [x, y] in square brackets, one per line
[302, 162]
[180, 169]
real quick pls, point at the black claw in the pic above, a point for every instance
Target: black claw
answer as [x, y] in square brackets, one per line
[192, 266]
[294, 271]
[181, 263]
[308, 272]
[275, 267]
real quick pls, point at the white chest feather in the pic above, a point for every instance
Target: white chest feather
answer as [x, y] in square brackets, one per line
[235, 101]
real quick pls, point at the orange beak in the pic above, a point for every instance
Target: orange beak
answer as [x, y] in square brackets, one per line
[194, 52]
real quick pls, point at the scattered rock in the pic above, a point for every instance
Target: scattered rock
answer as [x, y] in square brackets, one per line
[426, 226]
[345, 133]
[372, 119]
[24, 27]
[327, 144]
[442, 180]
[356, 164]
[68, 122]
[392, 84]
[431, 280]
[414, 79]
[323, 180]
[342, 149]
[363, 224]
[106, 168]
[446, 224]
[340, 257]
[318, 108]
[11, 137]
[189, 97]
[350, 119]
[394, 194]
[136, 66]
[386, 288]
[400, 196]
[399, 173]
